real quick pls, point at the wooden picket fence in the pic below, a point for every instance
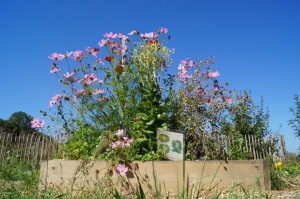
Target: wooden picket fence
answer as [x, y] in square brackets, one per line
[36, 147]
[258, 148]
[33, 147]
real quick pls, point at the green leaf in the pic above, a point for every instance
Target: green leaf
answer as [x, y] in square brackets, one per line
[150, 123]
[143, 115]
[141, 139]
[147, 131]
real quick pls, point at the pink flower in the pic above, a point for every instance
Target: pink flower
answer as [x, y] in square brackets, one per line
[213, 74]
[70, 76]
[54, 99]
[120, 144]
[37, 123]
[110, 35]
[123, 49]
[184, 76]
[120, 133]
[121, 36]
[227, 100]
[163, 30]
[183, 73]
[54, 69]
[132, 32]
[187, 62]
[56, 56]
[77, 55]
[216, 89]
[122, 169]
[68, 54]
[114, 145]
[79, 92]
[128, 141]
[89, 78]
[96, 92]
[113, 45]
[149, 35]
[92, 51]
[103, 42]
[99, 61]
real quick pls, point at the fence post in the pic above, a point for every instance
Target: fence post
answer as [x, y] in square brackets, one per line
[283, 147]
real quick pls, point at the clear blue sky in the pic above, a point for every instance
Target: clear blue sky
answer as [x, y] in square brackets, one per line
[256, 43]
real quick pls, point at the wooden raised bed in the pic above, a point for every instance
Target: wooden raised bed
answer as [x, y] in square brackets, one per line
[217, 174]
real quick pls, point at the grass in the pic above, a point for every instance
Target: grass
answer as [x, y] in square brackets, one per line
[20, 179]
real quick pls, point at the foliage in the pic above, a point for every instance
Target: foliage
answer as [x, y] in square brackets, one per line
[125, 92]
[285, 174]
[207, 110]
[17, 123]
[295, 121]
[23, 120]
[131, 90]
[82, 143]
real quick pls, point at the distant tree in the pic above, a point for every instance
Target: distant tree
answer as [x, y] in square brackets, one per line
[9, 126]
[23, 120]
[295, 121]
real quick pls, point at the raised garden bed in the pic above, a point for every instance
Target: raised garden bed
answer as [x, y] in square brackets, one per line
[205, 174]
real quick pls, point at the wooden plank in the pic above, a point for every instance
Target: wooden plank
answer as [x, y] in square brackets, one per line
[61, 172]
[3, 137]
[42, 148]
[25, 148]
[30, 147]
[18, 146]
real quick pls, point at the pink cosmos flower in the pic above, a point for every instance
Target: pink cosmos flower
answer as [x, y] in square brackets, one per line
[184, 76]
[123, 49]
[113, 45]
[132, 32]
[54, 69]
[227, 100]
[122, 169]
[110, 35]
[213, 74]
[151, 35]
[89, 78]
[114, 145]
[70, 76]
[79, 92]
[163, 30]
[68, 54]
[121, 36]
[99, 61]
[216, 89]
[183, 73]
[99, 91]
[37, 123]
[187, 62]
[120, 133]
[92, 51]
[120, 144]
[54, 99]
[56, 56]
[128, 141]
[77, 55]
[103, 42]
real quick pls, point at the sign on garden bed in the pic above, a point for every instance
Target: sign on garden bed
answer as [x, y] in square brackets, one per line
[171, 143]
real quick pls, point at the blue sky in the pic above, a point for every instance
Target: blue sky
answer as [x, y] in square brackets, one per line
[256, 43]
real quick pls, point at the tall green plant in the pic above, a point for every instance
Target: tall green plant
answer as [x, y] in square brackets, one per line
[295, 121]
